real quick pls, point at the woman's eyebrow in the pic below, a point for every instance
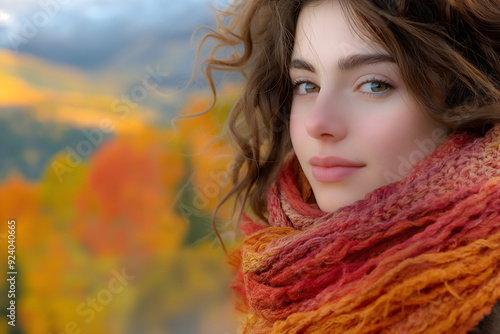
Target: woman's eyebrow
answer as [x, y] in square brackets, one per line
[347, 63]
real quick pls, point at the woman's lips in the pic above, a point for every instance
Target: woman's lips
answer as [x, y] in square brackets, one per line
[333, 169]
[332, 174]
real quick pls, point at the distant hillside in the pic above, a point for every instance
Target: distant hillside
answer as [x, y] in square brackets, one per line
[66, 95]
[27, 146]
[46, 107]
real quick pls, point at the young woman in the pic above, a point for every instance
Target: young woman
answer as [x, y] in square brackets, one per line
[368, 164]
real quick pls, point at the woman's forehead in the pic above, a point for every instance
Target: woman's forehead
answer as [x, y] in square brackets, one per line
[323, 27]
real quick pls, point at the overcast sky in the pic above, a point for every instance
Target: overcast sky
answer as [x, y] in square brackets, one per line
[70, 29]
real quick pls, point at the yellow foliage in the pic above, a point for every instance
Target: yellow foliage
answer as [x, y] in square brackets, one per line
[61, 183]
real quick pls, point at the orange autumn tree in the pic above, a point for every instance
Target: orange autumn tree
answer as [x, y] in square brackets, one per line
[20, 200]
[126, 207]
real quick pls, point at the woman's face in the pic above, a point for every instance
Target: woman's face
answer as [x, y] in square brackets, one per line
[354, 126]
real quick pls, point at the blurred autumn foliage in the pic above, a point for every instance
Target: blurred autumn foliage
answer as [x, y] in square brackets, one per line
[119, 240]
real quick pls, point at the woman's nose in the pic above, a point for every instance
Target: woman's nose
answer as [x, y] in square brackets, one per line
[327, 119]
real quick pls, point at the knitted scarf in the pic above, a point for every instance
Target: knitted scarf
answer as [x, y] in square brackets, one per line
[420, 255]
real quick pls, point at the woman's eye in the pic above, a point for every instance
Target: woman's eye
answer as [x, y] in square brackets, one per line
[375, 87]
[304, 88]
